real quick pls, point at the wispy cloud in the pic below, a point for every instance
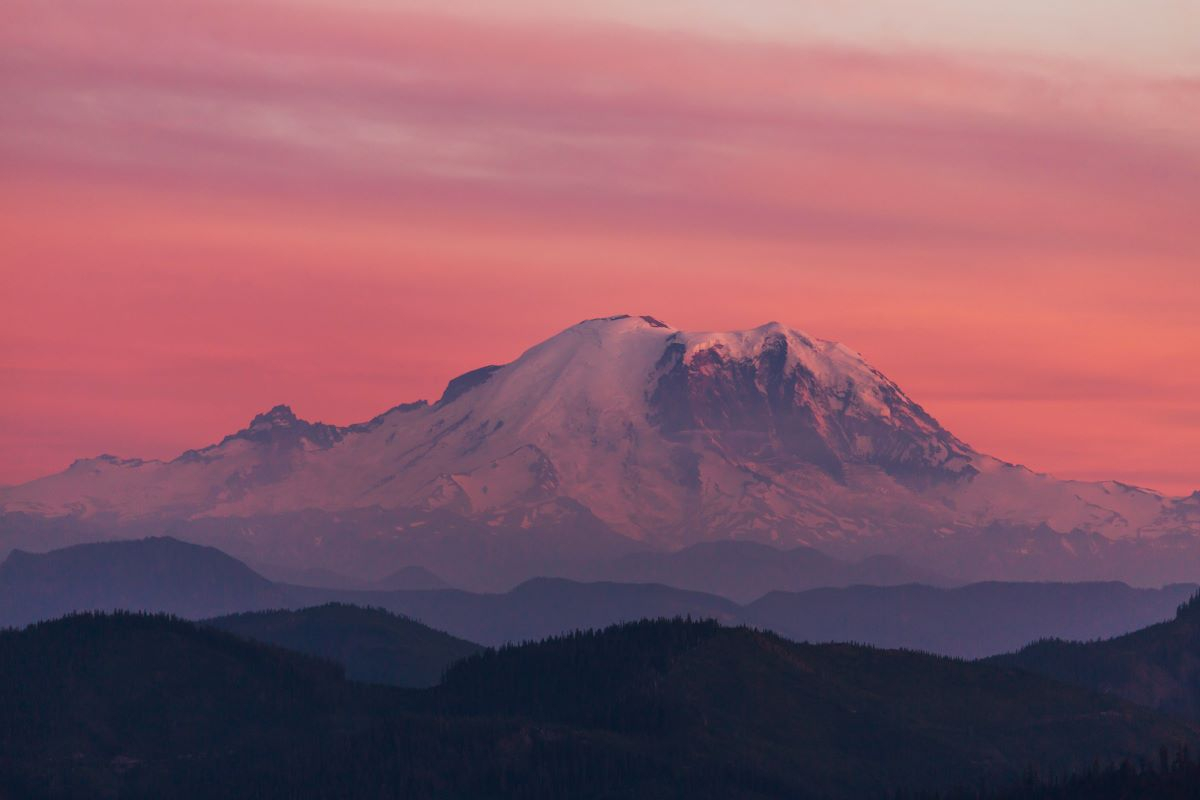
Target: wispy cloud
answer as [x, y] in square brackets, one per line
[600, 125]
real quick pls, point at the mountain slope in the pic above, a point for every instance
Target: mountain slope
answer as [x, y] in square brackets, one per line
[622, 429]
[132, 706]
[156, 574]
[371, 644]
[1157, 667]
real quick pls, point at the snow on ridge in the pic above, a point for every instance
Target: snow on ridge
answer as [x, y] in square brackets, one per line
[835, 366]
[596, 368]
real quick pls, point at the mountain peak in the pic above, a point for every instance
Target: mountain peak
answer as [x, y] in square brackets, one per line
[279, 416]
[280, 425]
[625, 425]
[105, 459]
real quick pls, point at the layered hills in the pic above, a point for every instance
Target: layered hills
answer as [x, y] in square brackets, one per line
[165, 575]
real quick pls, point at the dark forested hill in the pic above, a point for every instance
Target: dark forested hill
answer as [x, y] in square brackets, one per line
[1158, 667]
[372, 645]
[798, 716]
[137, 706]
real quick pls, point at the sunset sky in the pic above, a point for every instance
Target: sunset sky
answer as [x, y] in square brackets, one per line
[208, 208]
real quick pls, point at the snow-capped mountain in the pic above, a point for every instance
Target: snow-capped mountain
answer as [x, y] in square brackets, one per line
[627, 424]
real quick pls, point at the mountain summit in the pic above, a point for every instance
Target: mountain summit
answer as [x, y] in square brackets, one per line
[664, 436]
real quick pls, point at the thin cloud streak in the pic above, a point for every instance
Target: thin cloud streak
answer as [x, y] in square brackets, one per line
[465, 124]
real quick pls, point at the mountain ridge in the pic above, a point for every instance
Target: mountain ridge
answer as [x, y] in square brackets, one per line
[165, 575]
[623, 428]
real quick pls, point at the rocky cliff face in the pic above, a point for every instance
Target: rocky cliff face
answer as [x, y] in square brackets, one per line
[777, 396]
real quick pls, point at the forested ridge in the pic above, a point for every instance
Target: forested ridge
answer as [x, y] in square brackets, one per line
[131, 705]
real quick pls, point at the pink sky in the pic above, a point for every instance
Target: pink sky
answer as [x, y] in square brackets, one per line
[210, 208]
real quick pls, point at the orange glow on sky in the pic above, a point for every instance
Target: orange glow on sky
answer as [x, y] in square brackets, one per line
[209, 209]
